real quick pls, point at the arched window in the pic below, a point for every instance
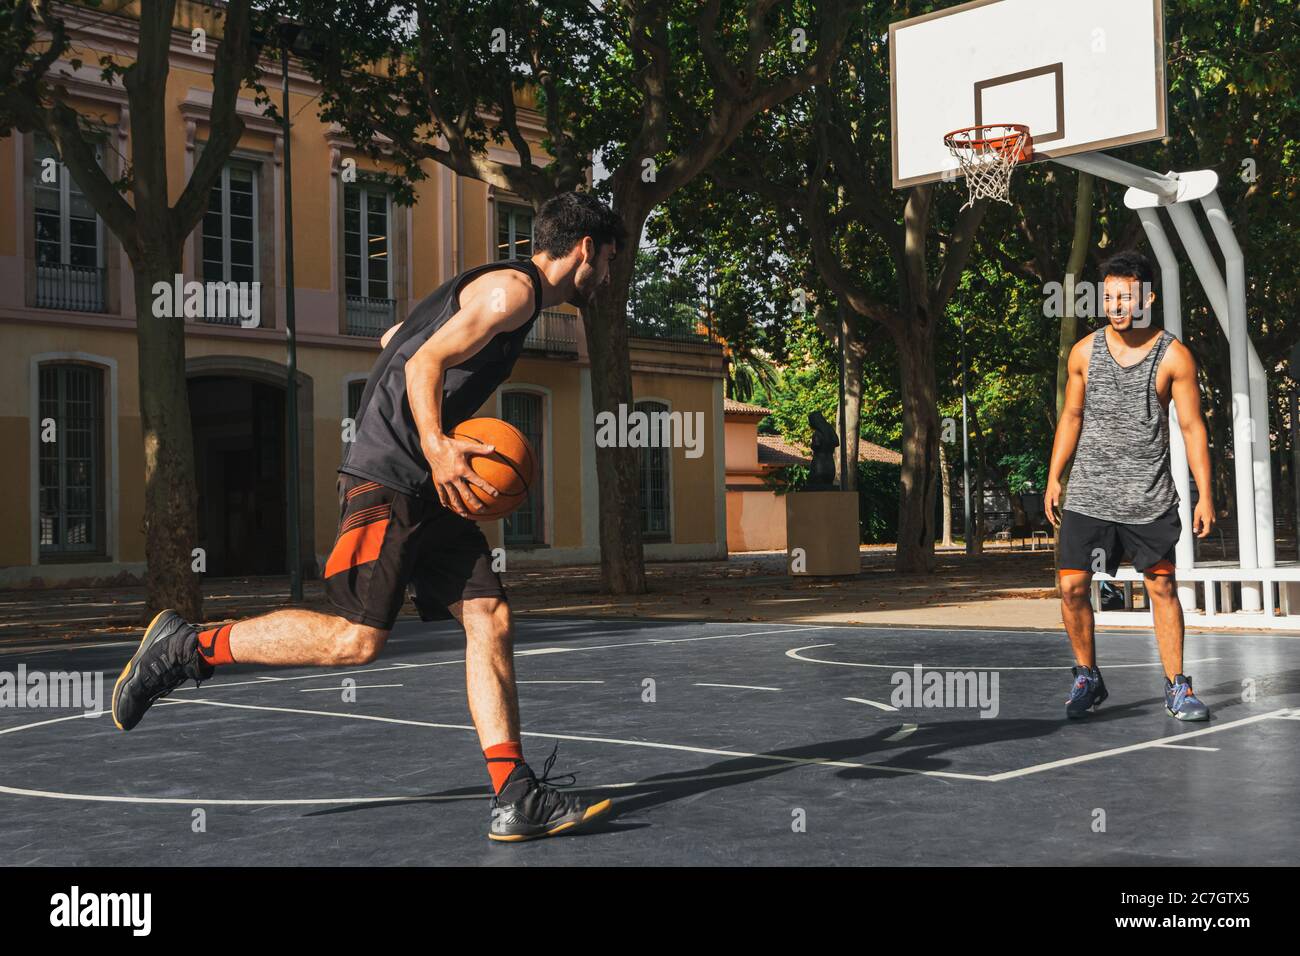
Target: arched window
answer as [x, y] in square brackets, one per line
[527, 525]
[656, 521]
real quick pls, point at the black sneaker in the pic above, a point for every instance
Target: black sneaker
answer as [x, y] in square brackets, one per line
[1112, 597]
[1087, 692]
[167, 657]
[529, 807]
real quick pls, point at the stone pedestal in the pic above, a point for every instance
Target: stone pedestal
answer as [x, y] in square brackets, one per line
[824, 524]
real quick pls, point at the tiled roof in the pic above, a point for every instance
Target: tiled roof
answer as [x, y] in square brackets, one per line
[776, 451]
[730, 406]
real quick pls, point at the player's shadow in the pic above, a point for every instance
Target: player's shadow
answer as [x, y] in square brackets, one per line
[883, 759]
[931, 748]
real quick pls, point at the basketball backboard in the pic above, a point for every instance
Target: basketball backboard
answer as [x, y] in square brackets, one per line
[1081, 74]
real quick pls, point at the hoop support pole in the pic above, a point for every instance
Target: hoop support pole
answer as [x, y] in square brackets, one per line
[1171, 287]
[1118, 171]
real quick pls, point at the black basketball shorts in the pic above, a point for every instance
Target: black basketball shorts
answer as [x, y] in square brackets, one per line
[388, 541]
[1095, 545]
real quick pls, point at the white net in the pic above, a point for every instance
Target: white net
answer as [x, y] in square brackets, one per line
[988, 155]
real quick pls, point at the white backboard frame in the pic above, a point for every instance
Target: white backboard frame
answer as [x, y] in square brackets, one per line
[975, 62]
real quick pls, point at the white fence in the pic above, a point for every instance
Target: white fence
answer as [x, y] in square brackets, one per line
[1209, 598]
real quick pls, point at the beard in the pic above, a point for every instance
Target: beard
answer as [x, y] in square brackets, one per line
[584, 290]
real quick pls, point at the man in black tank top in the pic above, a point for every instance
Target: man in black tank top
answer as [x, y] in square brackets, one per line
[1121, 501]
[404, 513]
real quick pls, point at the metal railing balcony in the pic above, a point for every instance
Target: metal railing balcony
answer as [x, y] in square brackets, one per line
[555, 333]
[369, 317]
[75, 288]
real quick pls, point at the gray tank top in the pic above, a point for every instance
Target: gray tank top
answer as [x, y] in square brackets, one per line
[1121, 467]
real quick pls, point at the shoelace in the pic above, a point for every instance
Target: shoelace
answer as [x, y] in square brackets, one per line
[545, 778]
[1079, 689]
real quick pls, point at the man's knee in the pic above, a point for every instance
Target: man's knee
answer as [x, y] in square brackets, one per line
[486, 618]
[1074, 589]
[358, 644]
[1161, 587]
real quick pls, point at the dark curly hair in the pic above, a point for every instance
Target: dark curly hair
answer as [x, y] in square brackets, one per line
[1130, 265]
[565, 220]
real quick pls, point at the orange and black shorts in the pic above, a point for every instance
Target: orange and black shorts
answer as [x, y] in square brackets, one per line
[389, 541]
[1093, 544]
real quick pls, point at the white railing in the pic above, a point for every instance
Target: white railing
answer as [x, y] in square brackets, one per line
[1209, 598]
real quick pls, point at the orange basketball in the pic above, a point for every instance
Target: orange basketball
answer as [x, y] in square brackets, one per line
[511, 469]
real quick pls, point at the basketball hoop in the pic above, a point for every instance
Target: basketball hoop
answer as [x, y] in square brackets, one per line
[988, 155]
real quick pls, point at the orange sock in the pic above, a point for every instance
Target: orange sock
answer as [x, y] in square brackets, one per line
[501, 760]
[214, 645]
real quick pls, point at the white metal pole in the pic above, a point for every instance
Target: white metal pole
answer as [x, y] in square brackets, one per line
[1258, 382]
[1170, 288]
[1189, 231]
[1118, 171]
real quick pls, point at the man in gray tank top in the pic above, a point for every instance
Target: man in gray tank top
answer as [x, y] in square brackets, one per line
[1121, 502]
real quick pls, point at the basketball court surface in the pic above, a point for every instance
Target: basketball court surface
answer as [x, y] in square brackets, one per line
[720, 743]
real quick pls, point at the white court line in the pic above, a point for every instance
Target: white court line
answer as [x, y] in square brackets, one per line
[1213, 750]
[1284, 713]
[1132, 748]
[739, 686]
[327, 690]
[684, 748]
[873, 703]
[460, 660]
[794, 653]
[43, 723]
[33, 649]
[544, 650]
[905, 731]
[559, 682]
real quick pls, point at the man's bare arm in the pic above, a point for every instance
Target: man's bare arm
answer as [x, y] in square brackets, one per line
[1068, 427]
[491, 304]
[1185, 394]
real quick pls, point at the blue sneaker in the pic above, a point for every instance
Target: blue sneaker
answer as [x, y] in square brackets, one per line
[1181, 702]
[1088, 692]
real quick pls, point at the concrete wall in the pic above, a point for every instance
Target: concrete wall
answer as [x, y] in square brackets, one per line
[755, 521]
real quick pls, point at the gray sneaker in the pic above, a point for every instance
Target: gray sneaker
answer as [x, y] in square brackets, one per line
[1181, 703]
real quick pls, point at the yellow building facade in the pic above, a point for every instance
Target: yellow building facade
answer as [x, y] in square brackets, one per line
[73, 505]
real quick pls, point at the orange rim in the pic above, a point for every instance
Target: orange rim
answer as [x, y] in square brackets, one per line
[973, 138]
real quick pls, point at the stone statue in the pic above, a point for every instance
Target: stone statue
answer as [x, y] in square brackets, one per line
[824, 443]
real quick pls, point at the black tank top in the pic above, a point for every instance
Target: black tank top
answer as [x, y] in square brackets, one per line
[386, 448]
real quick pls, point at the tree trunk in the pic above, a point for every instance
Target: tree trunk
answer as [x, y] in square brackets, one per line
[1079, 245]
[622, 562]
[920, 472]
[945, 482]
[981, 476]
[170, 499]
[854, 351]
